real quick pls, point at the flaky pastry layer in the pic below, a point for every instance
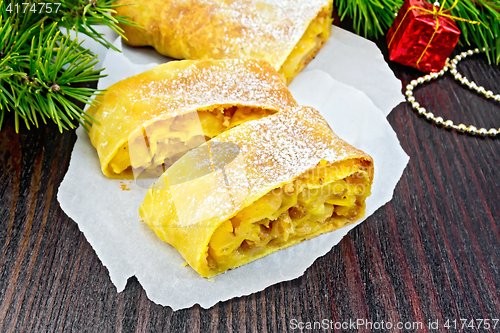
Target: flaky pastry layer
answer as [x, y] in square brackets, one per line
[285, 33]
[149, 120]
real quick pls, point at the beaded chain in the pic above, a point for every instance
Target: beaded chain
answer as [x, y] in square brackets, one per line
[451, 66]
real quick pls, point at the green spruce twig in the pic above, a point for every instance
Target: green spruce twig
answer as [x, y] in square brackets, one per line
[372, 19]
[41, 67]
[487, 34]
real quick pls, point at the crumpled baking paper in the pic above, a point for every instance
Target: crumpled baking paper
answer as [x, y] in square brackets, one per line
[357, 62]
[106, 210]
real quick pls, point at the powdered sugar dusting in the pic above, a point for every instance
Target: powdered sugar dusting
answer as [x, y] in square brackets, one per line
[272, 151]
[285, 145]
[209, 83]
[245, 29]
[180, 87]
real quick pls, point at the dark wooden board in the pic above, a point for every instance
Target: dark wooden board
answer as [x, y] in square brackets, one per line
[432, 253]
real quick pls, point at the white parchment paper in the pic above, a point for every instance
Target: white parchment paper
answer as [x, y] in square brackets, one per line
[358, 62]
[88, 43]
[108, 215]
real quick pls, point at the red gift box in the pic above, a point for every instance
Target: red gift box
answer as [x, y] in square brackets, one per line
[422, 36]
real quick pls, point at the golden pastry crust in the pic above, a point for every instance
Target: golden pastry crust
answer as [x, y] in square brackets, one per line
[180, 89]
[243, 29]
[292, 150]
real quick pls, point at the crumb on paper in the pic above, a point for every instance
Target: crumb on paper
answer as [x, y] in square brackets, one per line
[211, 279]
[184, 264]
[124, 186]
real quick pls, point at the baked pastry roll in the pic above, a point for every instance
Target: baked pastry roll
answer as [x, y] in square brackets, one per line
[147, 121]
[258, 188]
[285, 33]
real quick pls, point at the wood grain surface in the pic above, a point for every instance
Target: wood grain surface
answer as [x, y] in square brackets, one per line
[432, 253]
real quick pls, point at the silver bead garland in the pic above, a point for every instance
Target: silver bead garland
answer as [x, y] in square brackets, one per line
[451, 66]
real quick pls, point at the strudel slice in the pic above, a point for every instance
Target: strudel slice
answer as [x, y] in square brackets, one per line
[148, 121]
[285, 33]
[258, 188]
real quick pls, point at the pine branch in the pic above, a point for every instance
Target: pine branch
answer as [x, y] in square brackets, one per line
[40, 66]
[81, 15]
[372, 19]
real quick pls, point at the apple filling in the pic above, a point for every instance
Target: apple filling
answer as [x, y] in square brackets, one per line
[313, 204]
[165, 141]
[316, 34]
